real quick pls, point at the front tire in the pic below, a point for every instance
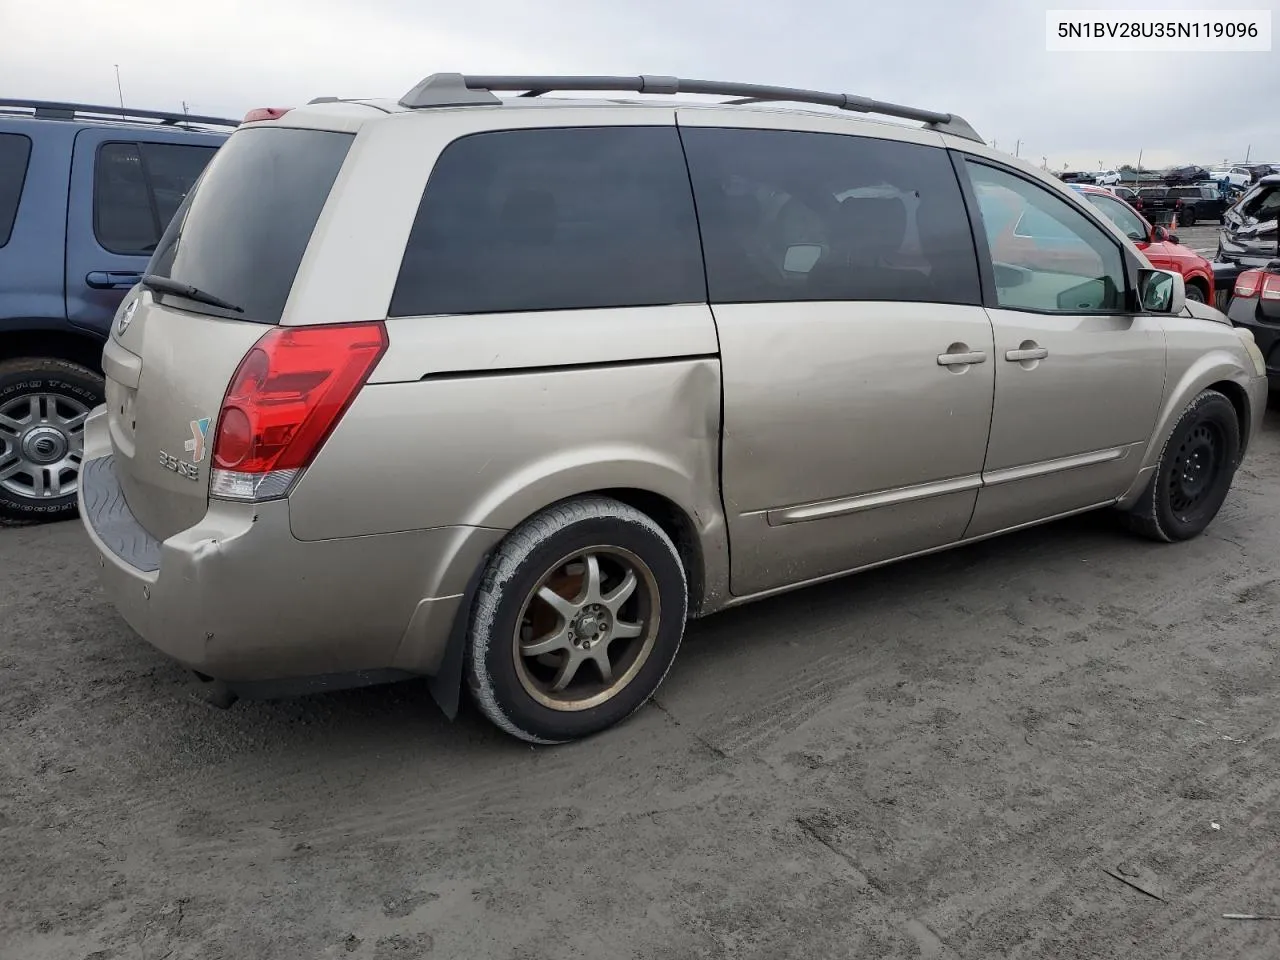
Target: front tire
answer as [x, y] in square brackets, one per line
[43, 406]
[1194, 292]
[1194, 473]
[578, 618]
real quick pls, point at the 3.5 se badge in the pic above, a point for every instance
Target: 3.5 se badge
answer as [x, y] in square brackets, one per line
[195, 446]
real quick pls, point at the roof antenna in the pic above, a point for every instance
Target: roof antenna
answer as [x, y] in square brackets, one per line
[120, 91]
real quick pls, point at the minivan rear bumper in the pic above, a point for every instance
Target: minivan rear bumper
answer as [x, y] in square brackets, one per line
[238, 598]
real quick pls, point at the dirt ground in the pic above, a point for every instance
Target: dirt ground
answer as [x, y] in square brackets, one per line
[950, 758]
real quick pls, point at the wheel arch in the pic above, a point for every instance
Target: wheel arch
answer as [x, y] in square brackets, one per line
[1215, 370]
[57, 343]
[700, 536]
[1204, 283]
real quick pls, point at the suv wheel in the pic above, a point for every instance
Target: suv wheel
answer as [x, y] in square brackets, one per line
[43, 407]
[1195, 292]
[1187, 217]
[1194, 472]
[578, 618]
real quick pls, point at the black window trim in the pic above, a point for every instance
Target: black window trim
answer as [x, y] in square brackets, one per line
[137, 145]
[22, 186]
[986, 268]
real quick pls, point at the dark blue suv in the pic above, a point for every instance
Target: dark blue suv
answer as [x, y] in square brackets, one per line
[85, 193]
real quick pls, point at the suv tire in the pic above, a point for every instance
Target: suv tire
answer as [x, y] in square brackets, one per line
[43, 406]
[527, 656]
[1187, 216]
[1193, 474]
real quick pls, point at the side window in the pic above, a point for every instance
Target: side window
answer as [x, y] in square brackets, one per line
[137, 188]
[1120, 214]
[554, 219]
[851, 218]
[15, 151]
[1064, 263]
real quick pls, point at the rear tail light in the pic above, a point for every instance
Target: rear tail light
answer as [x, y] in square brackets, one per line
[265, 113]
[1271, 286]
[287, 395]
[1248, 284]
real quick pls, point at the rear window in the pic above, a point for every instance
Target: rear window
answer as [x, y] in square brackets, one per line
[241, 233]
[15, 151]
[1152, 193]
[555, 219]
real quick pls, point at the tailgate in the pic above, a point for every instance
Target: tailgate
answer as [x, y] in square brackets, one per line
[218, 281]
[166, 377]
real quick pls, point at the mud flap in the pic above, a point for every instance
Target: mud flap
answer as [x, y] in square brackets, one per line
[446, 685]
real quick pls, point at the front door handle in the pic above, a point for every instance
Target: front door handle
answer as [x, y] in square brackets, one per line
[112, 280]
[1026, 353]
[961, 359]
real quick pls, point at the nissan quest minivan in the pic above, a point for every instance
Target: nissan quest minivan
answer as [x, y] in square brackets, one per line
[502, 391]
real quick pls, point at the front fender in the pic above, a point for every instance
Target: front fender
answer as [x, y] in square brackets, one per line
[1184, 383]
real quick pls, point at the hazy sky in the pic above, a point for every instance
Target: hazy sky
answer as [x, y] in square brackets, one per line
[982, 59]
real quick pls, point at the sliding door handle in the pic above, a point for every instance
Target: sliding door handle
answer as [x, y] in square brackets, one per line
[961, 359]
[1026, 353]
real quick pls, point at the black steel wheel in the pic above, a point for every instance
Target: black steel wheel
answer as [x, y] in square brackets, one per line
[1194, 472]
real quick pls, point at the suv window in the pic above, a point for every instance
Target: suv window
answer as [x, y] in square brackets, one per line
[1075, 267]
[15, 151]
[553, 219]
[790, 216]
[137, 188]
[1121, 215]
[1153, 193]
[1182, 193]
[241, 233]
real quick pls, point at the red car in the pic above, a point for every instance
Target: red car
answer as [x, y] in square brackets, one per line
[1160, 246]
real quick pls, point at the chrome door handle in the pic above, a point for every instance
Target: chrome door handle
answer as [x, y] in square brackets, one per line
[1026, 353]
[959, 359]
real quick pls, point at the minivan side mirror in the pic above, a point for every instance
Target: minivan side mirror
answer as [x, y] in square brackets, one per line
[1162, 291]
[1159, 234]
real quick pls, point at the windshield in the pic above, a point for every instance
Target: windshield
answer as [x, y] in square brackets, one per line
[241, 233]
[1263, 204]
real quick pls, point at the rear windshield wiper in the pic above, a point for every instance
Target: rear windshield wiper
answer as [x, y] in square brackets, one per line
[165, 285]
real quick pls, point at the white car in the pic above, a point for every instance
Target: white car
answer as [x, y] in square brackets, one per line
[1107, 178]
[1236, 176]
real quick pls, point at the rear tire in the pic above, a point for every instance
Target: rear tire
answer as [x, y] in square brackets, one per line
[578, 618]
[1187, 217]
[43, 406]
[1194, 472]
[1196, 293]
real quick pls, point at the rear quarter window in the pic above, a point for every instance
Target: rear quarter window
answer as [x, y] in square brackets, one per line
[241, 232]
[553, 219]
[15, 153]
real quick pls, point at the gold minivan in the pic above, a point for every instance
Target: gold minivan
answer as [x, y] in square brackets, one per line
[501, 391]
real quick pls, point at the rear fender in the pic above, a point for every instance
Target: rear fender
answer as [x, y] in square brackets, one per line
[579, 471]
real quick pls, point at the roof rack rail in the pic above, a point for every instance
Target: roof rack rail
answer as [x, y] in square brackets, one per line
[456, 89]
[57, 110]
